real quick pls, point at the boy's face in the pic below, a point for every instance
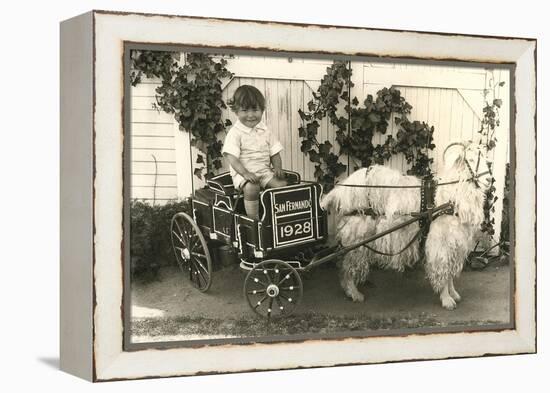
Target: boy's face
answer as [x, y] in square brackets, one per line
[250, 117]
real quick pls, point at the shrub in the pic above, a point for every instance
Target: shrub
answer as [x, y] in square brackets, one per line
[150, 244]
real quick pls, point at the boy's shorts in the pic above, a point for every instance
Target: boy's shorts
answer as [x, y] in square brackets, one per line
[264, 175]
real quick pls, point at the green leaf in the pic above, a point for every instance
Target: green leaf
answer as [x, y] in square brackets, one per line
[374, 118]
[312, 128]
[325, 148]
[314, 156]
[306, 146]
[340, 168]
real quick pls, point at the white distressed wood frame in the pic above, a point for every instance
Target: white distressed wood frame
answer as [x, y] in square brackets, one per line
[92, 174]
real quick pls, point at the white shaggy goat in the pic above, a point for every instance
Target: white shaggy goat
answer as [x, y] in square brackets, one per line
[450, 237]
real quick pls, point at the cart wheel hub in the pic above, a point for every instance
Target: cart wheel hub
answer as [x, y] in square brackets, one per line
[185, 254]
[272, 290]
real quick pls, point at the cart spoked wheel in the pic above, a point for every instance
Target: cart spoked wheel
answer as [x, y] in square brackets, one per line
[191, 251]
[273, 288]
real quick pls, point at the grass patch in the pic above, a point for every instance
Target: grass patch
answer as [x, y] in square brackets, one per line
[292, 325]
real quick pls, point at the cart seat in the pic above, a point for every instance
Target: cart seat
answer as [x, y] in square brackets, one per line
[220, 191]
[223, 183]
[205, 195]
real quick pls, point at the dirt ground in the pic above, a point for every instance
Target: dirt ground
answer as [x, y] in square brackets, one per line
[171, 309]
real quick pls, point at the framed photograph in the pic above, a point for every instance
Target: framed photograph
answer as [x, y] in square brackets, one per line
[247, 195]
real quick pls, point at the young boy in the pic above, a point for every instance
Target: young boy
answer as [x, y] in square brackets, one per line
[251, 149]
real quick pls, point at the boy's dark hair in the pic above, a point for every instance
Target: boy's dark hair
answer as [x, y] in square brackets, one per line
[247, 97]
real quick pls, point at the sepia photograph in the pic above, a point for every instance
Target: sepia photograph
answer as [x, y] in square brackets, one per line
[276, 197]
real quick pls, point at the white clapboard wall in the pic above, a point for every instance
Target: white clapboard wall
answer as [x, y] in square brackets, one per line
[161, 167]
[153, 149]
[449, 98]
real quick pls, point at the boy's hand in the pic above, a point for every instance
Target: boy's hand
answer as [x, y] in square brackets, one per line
[251, 177]
[279, 173]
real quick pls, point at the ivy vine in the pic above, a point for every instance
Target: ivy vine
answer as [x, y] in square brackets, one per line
[488, 140]
[335, 85]
[152, 64]
[192, 92]
[355, 130]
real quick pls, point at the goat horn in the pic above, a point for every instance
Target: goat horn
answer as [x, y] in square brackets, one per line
[454, 144]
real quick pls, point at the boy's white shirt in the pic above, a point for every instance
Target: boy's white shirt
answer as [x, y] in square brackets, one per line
[252, 146]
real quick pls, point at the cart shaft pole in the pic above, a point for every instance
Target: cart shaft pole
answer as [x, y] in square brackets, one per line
[317, 262]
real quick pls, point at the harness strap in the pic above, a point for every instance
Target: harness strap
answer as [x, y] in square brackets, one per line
[418, 186]
[427, 198]
[473, 178]
[373, 186]
[366, 212]
[478, 159]
[420, 232]
[470, 179]
[391, 254]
